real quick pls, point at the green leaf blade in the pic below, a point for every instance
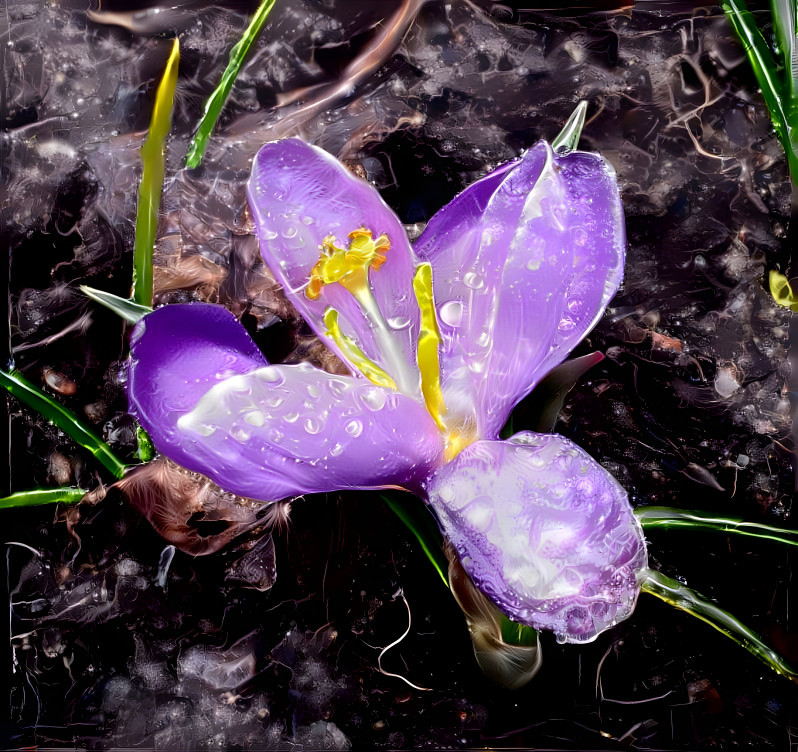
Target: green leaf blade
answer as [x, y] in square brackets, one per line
[129, 310]
[41, 496]
[152, 175]
[680, 596]
[60, 416]
[217, 99]
[667, 518]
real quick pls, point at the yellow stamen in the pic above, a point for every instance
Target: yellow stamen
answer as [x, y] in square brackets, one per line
[429, 339]
[354, 354]
[349, 267]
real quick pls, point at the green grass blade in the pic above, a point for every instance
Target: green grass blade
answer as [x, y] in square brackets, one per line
[774, 91]
[65, 419]
[40, 496]
[151, 186]
[784, 22]
[685, 599]
[215, 103]
[127, 309]
[568, 138]
[421, 524]
[667, 518]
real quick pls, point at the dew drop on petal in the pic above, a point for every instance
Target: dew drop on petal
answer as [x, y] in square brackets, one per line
[373, 399]
[268, 374]
[354, 428]
[336, 450]
[312, 426]
[254, 418]
[399, 322]
[451, 313]
[291, 417]
[474, 281]
[275, 436]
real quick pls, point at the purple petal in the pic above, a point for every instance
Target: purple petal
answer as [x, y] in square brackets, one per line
[211, 403]
[178, 352]
[524, 263]
[299, 195]
[287, 430]
[544, 531]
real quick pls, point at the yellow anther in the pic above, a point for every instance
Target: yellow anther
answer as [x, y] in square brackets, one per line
[429, 339]
[349, 267]
[354, 354]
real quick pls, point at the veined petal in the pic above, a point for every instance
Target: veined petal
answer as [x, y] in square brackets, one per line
[211, 403]
[524, 261]
[300, 197]
[545, 531]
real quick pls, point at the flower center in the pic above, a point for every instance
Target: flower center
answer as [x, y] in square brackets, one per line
[350, 268]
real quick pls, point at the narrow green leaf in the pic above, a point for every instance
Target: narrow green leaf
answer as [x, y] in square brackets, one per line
[784, 23]
[667, 518]
[151, 186]
[568, 138]
[146, 449]
[215, 103]
[65, 419]
[127, 309]
[420, 522]
[40, 496]
[685, 599]
[775, 92]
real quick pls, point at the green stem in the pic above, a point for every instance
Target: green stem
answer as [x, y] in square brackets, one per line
[667, 518]
[215, 103]
[775, 93]
[410, 513]
[65, 419]
[685, 599]
[151, 186]
[40, 496]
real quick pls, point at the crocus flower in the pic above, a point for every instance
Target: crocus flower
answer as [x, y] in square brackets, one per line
[442, 341]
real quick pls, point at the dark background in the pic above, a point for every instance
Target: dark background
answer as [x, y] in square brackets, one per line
[116, 645]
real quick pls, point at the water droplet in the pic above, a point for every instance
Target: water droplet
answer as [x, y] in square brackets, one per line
[566, 324]
[474, 281]
[274, 401]
[452, 313]
[289, 231]
[484, 339]
[308, 220]
[240, 434]
[312, 426]
[354, 428]
[275, 436]
[399, 322]
[580, 236]
[574, 305]
[314, 390]
[373, 398]
[254, 418]
[337, 387]
[291, 417]
[269, 374]
[268, 234]
[336, 450]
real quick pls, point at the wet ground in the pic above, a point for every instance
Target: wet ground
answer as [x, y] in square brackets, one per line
[119, 640]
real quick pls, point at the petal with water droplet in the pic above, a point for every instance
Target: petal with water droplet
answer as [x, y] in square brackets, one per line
[533, 253]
